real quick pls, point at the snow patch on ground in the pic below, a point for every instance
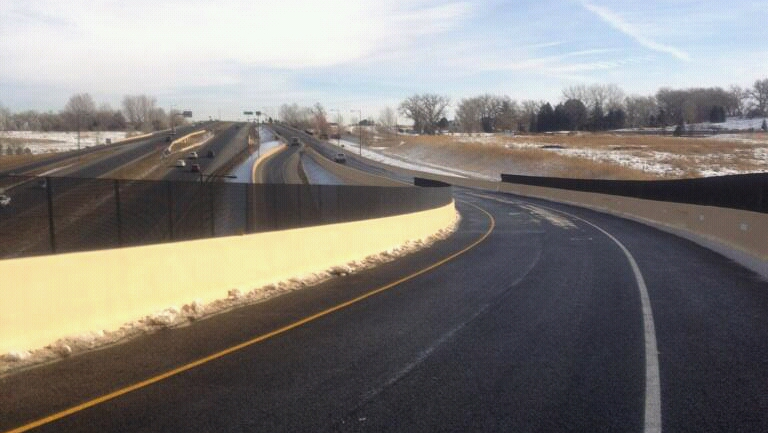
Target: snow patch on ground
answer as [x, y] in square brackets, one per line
[378, 155]
[175, 316]
[48, 142]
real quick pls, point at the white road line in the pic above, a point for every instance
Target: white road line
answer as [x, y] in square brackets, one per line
[652, 422]
[54, 170]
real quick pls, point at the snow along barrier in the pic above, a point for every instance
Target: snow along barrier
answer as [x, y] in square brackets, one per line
[47, 298]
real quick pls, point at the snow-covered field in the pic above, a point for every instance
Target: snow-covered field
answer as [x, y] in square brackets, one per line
[47, 142]
[580, 155]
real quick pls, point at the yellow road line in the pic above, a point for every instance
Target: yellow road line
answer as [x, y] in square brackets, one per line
[225, 352]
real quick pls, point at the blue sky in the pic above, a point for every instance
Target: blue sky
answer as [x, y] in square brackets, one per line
[229, 56]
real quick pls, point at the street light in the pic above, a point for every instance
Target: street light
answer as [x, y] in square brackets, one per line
[171, 116]
[359, 120]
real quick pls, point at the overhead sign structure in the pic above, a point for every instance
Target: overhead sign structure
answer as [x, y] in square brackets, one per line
[186, 113]
[248, 113]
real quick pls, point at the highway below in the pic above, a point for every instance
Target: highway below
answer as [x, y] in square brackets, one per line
[532, 320]
[81, 190]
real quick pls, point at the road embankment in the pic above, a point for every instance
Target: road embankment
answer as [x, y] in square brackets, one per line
[348, 174]
[47, 298]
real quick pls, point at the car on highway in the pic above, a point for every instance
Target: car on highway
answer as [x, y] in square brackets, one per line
[295, 141]
[340, 158]
[210, 154]
[192, 155]
[181, 163]
[168, 139]
[5, 200]
[194, 168]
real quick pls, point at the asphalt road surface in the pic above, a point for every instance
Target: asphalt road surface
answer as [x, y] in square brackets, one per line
[530, 318]
[282, 167]
[329, 151]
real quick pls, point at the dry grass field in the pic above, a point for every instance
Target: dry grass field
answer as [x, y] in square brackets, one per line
[586, 155]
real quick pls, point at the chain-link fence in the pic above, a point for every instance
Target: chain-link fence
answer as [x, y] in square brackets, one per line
[58, 214]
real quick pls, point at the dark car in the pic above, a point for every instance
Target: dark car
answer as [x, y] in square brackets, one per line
[340, 158]
[194, 168]
[210, 154]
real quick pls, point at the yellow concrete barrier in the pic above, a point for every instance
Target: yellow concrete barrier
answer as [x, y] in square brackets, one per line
[50, 297]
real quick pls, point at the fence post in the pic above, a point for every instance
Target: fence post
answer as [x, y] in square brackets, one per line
[118, 214]
[212, 209]
[51, 227]
[248, 207]
[169, 196]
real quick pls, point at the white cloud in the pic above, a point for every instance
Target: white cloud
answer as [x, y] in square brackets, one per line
[157, 44]
[617, 22]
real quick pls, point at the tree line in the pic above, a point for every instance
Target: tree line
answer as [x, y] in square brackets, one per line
[138, 113]
[597, 107]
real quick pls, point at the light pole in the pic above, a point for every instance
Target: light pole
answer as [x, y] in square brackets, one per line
[359, 128]
[170, 116]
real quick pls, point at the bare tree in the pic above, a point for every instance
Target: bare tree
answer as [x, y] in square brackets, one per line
[759, 95]
[80, 109]
[578, 92]
[5, 116]
[468, 115]
[740, 97]
[319, 119]
[141, 112]
[608, 96]
[508, 117]
[296, 116]
[412, 108]
[640, 110]
[425, 110]
[387, 118]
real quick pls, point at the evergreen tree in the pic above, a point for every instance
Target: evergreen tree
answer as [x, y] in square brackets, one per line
[717, 114]
[596, 118]
[546, 119]
[679, 129]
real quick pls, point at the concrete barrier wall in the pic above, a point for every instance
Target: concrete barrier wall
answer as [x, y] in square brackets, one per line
[51, 297]
[744, 233]
[737, 234]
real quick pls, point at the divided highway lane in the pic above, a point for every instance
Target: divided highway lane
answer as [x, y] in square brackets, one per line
[226, 145]
[25, 228]
[282, 167]
[329, 151]
[536, 327]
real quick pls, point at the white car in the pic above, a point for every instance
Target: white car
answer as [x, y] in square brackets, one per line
[192, 155]
[5, 200]
[181, 163]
